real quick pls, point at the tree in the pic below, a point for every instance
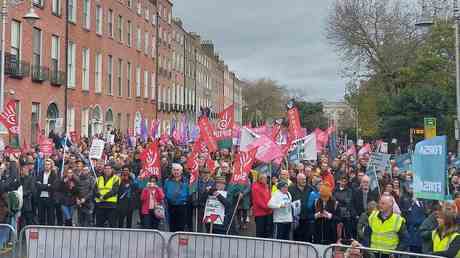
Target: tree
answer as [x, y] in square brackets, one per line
[312, 115]
[264, 99]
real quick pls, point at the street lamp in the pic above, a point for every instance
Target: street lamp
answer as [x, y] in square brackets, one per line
[31, 17]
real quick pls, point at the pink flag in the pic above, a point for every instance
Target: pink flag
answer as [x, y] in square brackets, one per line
[321, 139]
[267, 149]
[365, 150]
[351, 151]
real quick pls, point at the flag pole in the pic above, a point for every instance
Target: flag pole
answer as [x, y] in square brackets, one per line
[63, 156]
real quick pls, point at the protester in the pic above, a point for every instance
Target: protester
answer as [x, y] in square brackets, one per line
[260, 195]
[446, 238]
[46, 203]
[177, 195]
[85, 204]
[299, 192]
[220, 225]
[280, 202]
[205, 184]
[107, 187]
[325, 216]
[363, 221]
[66, 193]
[127, 198]
[152, 204]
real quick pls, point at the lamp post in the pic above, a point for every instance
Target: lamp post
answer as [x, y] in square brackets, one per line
[30, 17]
[66, 69]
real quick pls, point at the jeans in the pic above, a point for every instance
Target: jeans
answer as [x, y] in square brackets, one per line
[46, 211]
[282, 230]
[177, 217]
[67, 214]
[149, 221]
[264, 226]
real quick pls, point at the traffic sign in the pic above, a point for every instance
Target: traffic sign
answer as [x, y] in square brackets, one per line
[430, 127]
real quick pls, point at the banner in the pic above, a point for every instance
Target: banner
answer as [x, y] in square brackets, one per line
[9, 117]
[430, 169]
[267, 149]
[403, 162]
[214, 210]
[242, 166]
[206, 134]
[46, 147]
[151, 161]
[247, 137]
[310, 148]
[192, 161]
[295, 129]
[224, 128]
[97, 149]
[379, 160]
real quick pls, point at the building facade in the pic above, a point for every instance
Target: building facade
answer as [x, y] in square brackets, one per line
[129, 62]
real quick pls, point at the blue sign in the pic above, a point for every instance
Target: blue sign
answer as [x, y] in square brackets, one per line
[430, 169]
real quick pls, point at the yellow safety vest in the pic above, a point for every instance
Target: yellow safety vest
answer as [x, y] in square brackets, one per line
[385, 234]
[440, 245]
[105, 187]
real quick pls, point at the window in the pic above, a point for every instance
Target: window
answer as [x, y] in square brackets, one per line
[138, 38]
[71, 64]
[35, 119]
[119, 77]
[120, 28]
[70, 119]
[128, 80]
[109, 75]
[37, 47]
[99, 19]
[55, 53]
[38, 2]
[153, 86]
[85, 69]
[138, 81]
[130, 33]
[139, 7]
[16, 39]
[56, 7]
[110, 23]
[147, 14]
[128, 122]
[130, 3]
[87, 14]
[146, 42]
[98, 72]
[153, 47]
[146, 84]
[72, 11]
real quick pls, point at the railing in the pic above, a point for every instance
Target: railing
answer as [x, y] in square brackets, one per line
[8, 240]
[40, 73]
[16, 68]
[57, 78]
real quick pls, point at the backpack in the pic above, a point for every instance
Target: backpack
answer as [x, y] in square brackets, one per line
[15, 200]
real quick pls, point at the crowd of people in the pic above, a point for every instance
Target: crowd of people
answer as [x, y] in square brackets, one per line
[323, 202]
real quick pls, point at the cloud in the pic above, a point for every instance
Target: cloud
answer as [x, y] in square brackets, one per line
[281, 40]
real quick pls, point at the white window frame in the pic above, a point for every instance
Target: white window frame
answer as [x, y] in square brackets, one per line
[120, 77]
[16, 37]
[73, 11]
[129, 79]
[85, 69]
[98, 73]
[56, 49]
[146, 84]
[110, 20]
[87, 18]
[139, 7]
[110, 73]
[56, 7]
[146, 42]
[152, 83]
[71, 52]
[138, 81]
[99, 19]
[139, 38]
[129, 36]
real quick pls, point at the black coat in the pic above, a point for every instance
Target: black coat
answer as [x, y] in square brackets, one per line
[29, 189]
[50, 187]
[358, 200]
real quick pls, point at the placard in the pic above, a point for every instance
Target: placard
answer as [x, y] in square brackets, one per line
[215, 208]
[97, 149]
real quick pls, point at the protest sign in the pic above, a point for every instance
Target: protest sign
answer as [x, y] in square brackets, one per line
[430, 167]
[97, 148]
[403, 161]
[379, 160]
[46, 147]
[214, 208]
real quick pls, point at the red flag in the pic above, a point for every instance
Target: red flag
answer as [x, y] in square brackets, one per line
[192, 161]
[207, 133]
[242, 166]
[46, 146]
[150, 161]
[225, 123]
[322, 138]
[9, 117]
[276, 129]
[295, 129]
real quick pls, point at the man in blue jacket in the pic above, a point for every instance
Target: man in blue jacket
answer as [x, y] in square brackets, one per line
[177, 194]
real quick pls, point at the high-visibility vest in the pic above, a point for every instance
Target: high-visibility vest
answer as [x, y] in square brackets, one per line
[105, 187]
[385, 233]
[443, 244]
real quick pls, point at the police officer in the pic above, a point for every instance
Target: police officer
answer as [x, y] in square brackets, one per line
[107, 187]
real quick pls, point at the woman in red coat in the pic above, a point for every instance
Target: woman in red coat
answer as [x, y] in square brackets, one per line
[260, 196]
[152, 199]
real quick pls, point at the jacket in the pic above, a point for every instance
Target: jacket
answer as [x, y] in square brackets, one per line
[345, 209]
[301, 195]
[260, 195]
[281, 215]
[358, 204]
[28, 191]
[403, 236]
[176, 192]
[222, 229]
[415, 214]
[52, 179]
[313, 196]
[145, 195]
[86, 186]
[425, 230]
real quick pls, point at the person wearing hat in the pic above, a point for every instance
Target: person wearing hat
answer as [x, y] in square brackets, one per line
[280, 203]
[312, 197]
[217, 196]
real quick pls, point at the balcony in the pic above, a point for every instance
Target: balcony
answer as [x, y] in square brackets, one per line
[57, 78]
[16, 68]
[40, 73]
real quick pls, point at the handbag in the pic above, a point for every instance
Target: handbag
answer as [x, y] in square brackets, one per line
[159, 212]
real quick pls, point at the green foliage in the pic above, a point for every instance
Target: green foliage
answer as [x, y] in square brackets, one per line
[311, 115]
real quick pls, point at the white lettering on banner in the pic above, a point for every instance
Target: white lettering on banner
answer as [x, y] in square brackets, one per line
[431, 150]
[432, 187]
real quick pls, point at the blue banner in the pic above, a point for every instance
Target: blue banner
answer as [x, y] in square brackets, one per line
[430, 169]
[403, 162]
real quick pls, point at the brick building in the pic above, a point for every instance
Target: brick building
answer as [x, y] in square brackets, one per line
[129, 62]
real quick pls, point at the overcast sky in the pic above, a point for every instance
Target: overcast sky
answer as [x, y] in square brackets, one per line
[281, 40]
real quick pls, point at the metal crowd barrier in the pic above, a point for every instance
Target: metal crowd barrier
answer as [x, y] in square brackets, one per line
[76, 242]
[198, 245]
[8, 239]
[345, 251]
